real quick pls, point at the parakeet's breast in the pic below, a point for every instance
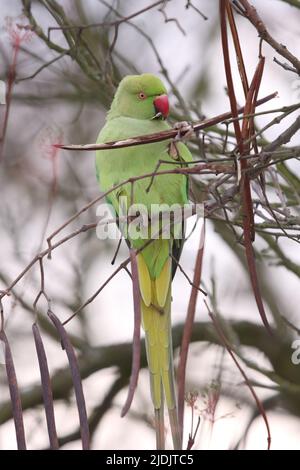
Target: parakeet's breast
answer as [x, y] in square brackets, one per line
[115, 166]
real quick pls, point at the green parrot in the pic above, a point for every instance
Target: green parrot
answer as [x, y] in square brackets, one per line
[140, 107]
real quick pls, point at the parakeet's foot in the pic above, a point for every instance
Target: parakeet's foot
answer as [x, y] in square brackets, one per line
[185, 130]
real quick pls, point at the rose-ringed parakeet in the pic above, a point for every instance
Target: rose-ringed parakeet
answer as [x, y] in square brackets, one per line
[140, 107]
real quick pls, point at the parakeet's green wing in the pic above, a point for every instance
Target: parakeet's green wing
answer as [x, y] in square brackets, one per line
[184, 156]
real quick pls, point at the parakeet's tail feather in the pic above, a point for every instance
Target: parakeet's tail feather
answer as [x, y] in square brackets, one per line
[160, 428]
[175, 429]
[156, 320]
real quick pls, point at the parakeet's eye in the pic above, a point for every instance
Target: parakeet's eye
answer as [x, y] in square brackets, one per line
[142, 95]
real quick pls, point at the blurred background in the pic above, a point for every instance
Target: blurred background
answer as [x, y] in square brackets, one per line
[60, 87]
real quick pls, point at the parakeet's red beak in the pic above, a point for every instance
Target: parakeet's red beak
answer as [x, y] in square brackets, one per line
[161, 105]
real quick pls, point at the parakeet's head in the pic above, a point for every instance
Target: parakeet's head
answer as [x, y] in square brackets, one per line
[140, 97]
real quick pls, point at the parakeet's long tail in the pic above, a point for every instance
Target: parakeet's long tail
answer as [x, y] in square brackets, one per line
[156, 321]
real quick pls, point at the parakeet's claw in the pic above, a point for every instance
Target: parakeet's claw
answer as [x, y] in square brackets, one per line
[185, 130]
[173, 151]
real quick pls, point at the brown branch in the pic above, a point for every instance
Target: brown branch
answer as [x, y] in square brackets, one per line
[241, 137]
[46, 387]
[76, 380]
[238, 50]
[15, 399]
[250, 12]
[159, 136]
